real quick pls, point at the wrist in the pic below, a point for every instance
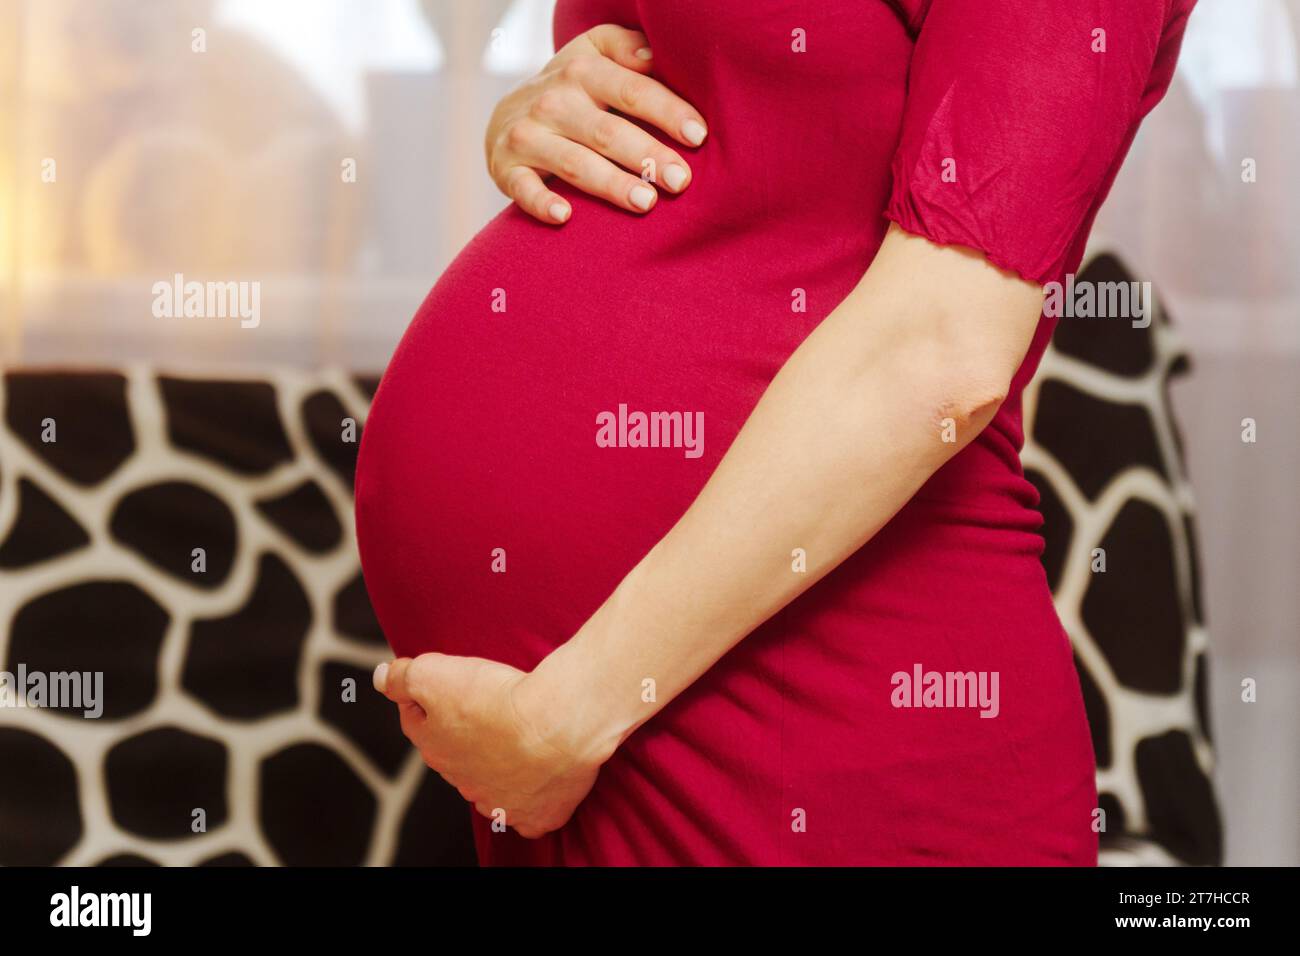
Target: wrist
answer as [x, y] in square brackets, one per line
[581, 700]
[555, 701]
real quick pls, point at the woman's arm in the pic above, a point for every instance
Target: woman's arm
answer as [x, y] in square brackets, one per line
[845, 434]
[848, 430]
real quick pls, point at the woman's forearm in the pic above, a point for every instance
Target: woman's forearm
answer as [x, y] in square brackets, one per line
[892, 384]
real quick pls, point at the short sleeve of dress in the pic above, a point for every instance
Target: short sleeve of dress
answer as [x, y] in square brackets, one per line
[1016, 112]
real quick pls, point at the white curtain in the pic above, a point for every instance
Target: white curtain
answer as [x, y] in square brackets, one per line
[1208, 209]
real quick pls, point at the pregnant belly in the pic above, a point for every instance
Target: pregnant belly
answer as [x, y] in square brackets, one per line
[557, 402]
[506, 485]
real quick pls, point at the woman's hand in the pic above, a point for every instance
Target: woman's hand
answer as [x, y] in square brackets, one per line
[559, 123]
[471, 724]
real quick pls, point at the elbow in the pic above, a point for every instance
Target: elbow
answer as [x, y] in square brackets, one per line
[961, 389]
[974, 390]
[967, 406]
[958, 326]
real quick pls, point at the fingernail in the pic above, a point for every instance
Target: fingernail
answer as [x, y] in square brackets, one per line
[693, 132]
[644, 53]
[674, 177]
[559, 211]
[642, 197]
[381, 677]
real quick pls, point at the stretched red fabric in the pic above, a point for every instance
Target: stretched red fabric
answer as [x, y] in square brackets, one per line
[493, 522]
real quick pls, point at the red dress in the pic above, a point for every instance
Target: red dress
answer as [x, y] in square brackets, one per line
[997, 125]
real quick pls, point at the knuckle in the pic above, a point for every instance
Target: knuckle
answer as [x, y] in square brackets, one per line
[514, 182]
[604, 132]
[573, 164]
[548, 104]
[575, 69]
[632, 91]
[516, 137]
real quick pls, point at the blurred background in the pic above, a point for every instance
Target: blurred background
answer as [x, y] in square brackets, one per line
[331, 151]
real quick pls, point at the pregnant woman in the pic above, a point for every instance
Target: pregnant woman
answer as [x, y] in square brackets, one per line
[691, 501]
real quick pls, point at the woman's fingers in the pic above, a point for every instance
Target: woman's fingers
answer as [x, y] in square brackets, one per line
[625, 47]
[592, 173]
[397, 681]
[459, 713]
[569, 136]
[390, 679]
[402, 680]
[561, 123]
[625, 143]
[613, 85]
[525, 187]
